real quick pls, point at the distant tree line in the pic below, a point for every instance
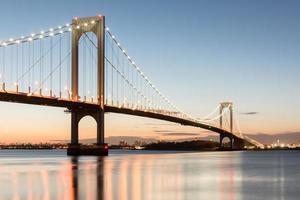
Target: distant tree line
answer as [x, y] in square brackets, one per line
[33, 146]
[195, 145]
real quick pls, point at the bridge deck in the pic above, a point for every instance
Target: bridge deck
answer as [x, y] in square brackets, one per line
[67, 103]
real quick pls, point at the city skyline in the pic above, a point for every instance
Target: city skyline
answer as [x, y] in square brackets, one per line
[247, 57]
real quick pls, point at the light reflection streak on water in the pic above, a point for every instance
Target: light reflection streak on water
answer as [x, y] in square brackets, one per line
[123, 179]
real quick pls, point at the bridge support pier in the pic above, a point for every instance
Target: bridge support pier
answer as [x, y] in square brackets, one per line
[75, 148]
[238, 144]
[221, 146]
[235, 143]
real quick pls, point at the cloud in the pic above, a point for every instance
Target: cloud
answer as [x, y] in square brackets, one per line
[179, 134]
[160, 124]
[163, 131]
[249, 113]
[174, 133]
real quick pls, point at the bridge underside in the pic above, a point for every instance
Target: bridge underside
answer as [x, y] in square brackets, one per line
[91, 109]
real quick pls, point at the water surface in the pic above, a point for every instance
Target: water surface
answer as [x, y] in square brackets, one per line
[132, 175]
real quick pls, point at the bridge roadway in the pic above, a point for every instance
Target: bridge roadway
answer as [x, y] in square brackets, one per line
[18, 97]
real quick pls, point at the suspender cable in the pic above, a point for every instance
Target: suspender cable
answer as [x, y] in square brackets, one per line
[90, 73]
[68, 65]
[40, 76]
[90, 68]
[29, 64]
[112, 74]
[117, 82]
[11, 64]
[51, 66]
[4, 66]
[33, 69]
[60, 66]
[22, 65]
[123, 82]
[17, 66]
[84, 68]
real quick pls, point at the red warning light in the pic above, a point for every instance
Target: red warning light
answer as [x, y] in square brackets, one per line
[105, 146]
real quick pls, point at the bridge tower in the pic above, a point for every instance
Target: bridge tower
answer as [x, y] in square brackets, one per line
[77, 113]
[226, 105]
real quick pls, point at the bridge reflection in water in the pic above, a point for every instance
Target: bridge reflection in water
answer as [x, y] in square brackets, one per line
[120, 176]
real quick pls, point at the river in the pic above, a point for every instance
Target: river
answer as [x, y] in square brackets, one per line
[157, 175]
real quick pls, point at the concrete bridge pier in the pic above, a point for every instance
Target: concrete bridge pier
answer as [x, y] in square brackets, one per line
[238, 143]
[235, 143]
[99, 148]
[221, 144]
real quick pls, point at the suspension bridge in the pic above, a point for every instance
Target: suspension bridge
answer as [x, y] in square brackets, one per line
[82, 67]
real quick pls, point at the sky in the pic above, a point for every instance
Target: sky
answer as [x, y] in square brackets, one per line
[198, 53]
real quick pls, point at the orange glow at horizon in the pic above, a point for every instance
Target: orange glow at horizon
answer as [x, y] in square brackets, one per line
[21, 123]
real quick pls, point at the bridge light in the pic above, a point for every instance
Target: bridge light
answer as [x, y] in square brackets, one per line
[85, 24]
[67, 25]
[51, 34]
[41, 36]
[42, 32]
[4, 44]
[107, 29]
[70, 29]
[30, 39]
[60, 32]
[113, 37]
[18, 41]
[123, 51]
[105, 146]
[118, 44]
[36, 82]
[78, 27]
[59, 27]
[93, 22]
[66, 88]
[76, 18]
[32, 34]
[22, 37]
[133, 62]
[51, 29]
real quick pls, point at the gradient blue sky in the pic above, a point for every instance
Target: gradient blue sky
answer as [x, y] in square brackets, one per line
[197, 52]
